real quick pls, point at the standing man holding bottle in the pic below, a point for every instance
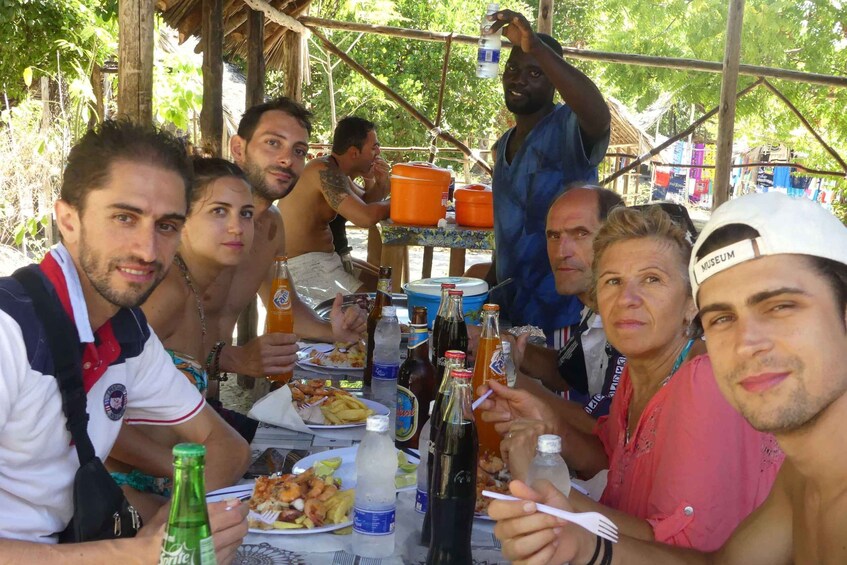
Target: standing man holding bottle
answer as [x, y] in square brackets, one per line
[551, 145]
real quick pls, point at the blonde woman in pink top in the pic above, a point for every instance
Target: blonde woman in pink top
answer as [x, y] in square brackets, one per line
[684, 467]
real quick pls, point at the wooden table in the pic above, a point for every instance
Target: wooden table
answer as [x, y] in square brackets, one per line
[388, 245]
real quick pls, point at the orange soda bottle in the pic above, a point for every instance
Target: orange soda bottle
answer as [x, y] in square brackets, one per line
[489, 365]
[280, 316]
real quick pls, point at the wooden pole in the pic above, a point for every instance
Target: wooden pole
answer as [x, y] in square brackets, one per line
[211, 114]
[97, 90]
[135, 60]
[293, 65]
[656, 150]
[726, 116]
[545, 17]
[444, 67]
[255, 58]
[586, 55]
[414, 112]
[806, 124]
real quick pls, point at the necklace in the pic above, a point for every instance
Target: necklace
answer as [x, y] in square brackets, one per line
[187, 276]
[680, 359]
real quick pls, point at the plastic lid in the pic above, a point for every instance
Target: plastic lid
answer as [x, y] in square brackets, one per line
[377, 423]
[491, 307]
[189, 450]
[462, 374]
[432, 286]
[454, 354]
[389, 311]
[549, 443]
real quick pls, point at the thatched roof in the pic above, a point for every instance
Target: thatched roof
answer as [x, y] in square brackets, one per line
[186, 16]
[625, 129]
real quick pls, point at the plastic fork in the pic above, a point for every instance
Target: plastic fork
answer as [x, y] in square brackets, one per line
[267, 517]
[594, 522]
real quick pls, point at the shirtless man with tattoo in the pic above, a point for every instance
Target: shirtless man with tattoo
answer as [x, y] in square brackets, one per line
[325, 190]
[271, 147]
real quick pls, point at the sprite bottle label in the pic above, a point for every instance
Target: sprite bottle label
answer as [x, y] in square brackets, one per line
[177, 550]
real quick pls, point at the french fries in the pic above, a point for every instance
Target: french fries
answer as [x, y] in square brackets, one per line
[338, 507]
[345, 410]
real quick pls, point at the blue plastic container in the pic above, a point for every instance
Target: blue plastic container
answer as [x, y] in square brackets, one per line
[427, 292]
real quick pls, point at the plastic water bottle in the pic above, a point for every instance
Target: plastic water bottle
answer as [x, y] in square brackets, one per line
[376, 497]
[421, 496]
[548, 464]
[488, 55]
[387, 363]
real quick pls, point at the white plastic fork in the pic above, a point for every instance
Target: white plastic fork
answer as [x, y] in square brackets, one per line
[594, 522]
[267, 517]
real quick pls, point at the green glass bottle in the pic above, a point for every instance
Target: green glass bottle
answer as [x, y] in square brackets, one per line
[188, 538]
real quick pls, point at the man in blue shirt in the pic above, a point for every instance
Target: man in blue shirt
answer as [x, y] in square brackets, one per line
[551, 145]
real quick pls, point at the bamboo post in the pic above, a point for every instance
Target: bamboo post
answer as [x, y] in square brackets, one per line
[211, 113]
[726, 116]
[656, 150]
[255, 58]
[97, 90]
[135, 60]
[545, 17]
[414, 112]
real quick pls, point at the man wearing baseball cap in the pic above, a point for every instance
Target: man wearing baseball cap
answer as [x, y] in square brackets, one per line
[769, 275]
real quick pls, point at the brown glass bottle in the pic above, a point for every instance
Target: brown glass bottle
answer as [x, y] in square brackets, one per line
[383, 298]
[415, 383]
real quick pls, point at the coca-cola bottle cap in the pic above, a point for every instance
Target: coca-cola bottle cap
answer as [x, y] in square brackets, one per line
[454, 354]
[462, 374]
[455, 292]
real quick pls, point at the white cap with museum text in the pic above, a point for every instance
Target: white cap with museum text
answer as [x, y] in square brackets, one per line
[786, 226]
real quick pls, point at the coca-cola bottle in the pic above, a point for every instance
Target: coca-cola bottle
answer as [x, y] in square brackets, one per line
[383, 298]
[453, 490]
[439, 316]
[415, 383]
[453, 333]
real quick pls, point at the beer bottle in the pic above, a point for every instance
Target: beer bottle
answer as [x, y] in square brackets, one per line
[453, 334]
[489, 365]
[415, 384]
[383, 298]
[439, 317]
[453, 492]
[454, 360]
[188, 538]
[280, 316]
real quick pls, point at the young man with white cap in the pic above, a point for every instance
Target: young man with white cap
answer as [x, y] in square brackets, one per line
[769, 275]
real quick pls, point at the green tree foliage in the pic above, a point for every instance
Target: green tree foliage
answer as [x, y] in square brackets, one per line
[32, 32]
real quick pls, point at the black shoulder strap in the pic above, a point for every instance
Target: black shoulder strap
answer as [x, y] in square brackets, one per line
[63, 341]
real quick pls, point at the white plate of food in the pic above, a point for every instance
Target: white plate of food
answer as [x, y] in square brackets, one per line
[329, 357]
[343, 463]
[326, 407]
[326, 506]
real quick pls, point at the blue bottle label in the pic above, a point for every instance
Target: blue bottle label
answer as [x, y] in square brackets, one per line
[498, 363]
[488, 56]
[386, 372]
[373, 522]
[421, 501]
[407, 414]
[418, 336]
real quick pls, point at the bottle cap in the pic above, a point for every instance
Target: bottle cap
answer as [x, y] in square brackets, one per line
[189, 450]
[490, 308]
[448, 285]
[281, 258]
[454, 354]
[549, 443]
[377, 423]
[455, 292]
[507, 347]
[389, 311]
[462, 374]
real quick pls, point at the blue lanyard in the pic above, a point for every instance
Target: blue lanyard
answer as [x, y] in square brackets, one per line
[681, 358]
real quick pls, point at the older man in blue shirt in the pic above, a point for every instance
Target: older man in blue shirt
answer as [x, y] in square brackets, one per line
[551, 145]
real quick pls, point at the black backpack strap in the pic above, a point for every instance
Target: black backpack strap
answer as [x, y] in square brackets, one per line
[63, 340]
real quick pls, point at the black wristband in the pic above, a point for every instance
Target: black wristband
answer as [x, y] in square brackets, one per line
[607, 553]
[596, 551]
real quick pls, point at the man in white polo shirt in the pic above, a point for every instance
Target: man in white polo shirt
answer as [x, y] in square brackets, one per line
[769, 275]
[123, 202]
